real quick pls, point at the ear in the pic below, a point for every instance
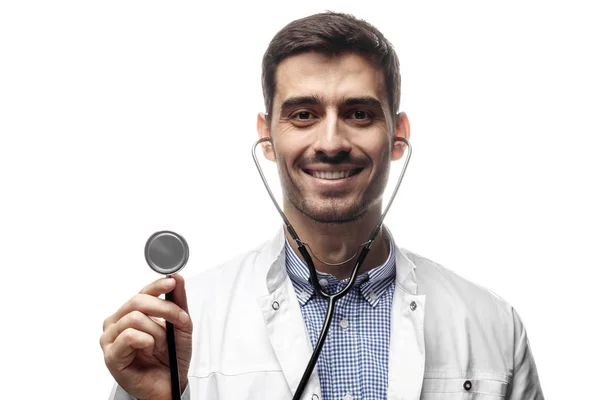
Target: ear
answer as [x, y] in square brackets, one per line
[262, 127]
[402, 130]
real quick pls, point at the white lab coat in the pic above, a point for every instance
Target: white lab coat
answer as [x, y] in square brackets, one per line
[447, 335]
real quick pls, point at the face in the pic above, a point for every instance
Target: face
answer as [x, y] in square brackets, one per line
[332, 135]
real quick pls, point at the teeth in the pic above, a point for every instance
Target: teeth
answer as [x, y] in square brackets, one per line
[331, 174]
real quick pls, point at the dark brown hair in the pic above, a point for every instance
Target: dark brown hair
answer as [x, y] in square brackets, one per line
[332, 33]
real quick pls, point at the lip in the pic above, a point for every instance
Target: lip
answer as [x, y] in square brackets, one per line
[326, 167]
[335, 183]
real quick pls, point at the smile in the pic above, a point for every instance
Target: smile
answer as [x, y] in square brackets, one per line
[332, 175]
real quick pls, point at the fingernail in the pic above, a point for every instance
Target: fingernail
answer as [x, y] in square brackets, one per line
[183, 317]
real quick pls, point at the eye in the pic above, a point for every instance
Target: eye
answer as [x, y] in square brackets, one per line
[303, 115]
[303, 118]
[360, 117]
[359, 114]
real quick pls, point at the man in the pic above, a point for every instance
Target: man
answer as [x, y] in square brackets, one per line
[408, 328]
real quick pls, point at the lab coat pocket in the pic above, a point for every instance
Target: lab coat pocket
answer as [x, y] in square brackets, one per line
[464, 387]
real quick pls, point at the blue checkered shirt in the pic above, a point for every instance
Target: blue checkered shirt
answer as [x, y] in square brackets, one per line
[354, 362]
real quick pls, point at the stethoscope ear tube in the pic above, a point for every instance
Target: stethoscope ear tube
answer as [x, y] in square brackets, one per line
[332, 298]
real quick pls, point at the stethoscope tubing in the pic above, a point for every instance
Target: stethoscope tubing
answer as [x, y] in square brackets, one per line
[173, 362]
[331, 298]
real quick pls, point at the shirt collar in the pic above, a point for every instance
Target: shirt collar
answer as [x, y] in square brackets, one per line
[372, 284]
[269, 271]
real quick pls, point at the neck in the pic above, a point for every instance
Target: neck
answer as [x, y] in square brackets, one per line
[338, 242]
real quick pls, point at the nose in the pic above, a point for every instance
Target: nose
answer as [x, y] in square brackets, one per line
[331, 137]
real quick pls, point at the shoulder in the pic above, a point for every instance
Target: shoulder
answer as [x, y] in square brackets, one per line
[450, 294]
[434, 278]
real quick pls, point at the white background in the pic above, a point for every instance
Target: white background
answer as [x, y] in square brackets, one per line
[121, 118]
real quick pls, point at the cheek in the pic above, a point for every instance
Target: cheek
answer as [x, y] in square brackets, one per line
[284, 158]
[379, 151]
[289, 152]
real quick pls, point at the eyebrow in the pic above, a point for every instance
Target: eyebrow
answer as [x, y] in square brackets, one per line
[362, 101]
[296, 101]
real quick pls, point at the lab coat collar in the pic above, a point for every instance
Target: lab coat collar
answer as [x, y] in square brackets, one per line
[283, 318]
[271, 264]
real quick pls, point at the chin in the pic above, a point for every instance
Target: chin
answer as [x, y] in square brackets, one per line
[331, 214]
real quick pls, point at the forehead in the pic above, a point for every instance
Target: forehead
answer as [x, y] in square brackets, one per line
[328, 77]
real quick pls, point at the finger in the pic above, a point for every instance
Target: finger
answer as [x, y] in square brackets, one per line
[122, 351]
[155, 307]
[179, 293]
[156, 288]
[159, 286]
[137, 321]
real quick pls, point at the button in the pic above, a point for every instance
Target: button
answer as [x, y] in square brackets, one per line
[372, 296]
[467, 385]
[304, 295]
[275, 305]
[315, 397]
[348, 397]
[413, 305]
[344, 323]
[323, 282]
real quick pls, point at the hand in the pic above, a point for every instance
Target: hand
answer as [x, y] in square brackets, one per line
[134, 341]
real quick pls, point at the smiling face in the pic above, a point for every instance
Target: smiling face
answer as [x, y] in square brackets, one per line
[332, 131]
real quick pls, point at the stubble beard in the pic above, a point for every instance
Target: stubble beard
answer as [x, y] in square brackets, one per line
[333, 209]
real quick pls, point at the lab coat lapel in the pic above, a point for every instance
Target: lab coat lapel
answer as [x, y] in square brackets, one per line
[407, 338]
[285, 325]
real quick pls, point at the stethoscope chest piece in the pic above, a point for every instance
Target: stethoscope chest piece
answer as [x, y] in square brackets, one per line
[166, 252]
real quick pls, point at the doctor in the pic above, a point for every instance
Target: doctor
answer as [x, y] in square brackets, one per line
[408, 329]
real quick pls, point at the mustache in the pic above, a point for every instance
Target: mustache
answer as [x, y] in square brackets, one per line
[342, 157]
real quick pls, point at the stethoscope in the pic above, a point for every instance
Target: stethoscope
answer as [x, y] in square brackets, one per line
[167, 252]
[302, 248]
